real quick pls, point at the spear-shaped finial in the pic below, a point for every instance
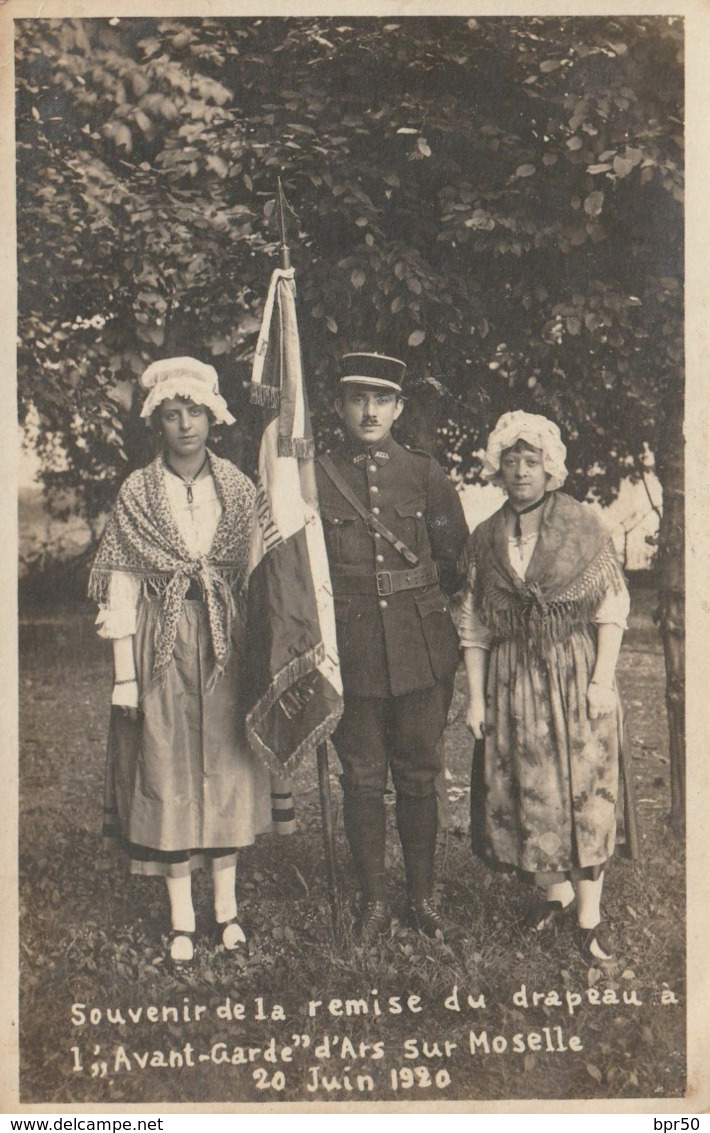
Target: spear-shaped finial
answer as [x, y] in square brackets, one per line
[284, 253]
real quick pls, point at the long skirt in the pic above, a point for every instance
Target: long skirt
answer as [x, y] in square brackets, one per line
[182, 783]
[550, 774]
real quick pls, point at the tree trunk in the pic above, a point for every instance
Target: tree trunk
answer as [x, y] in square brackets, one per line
[670, 464]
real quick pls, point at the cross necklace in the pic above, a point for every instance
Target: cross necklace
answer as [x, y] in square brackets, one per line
[188, 481]
[517, 530]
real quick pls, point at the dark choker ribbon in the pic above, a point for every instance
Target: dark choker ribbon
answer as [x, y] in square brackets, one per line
[188, 481]
[518, 531]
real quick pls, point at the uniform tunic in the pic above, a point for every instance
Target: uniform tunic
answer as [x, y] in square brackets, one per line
[398, 643]
[398, 651]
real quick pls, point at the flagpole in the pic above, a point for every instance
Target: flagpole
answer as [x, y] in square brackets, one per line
[284, 251]
[326, 803]
[328, 831]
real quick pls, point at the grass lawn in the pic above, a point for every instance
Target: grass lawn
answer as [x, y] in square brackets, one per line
[389, 1025]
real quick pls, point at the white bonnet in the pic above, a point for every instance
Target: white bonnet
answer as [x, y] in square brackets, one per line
[535, 430]
[184, 377]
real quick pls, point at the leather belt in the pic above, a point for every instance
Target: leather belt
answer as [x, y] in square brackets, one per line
[384, 582]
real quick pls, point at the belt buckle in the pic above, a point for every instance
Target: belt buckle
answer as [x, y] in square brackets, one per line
[384, 579]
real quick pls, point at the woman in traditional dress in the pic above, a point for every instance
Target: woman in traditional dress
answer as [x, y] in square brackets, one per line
[541, 628]
[182, 785]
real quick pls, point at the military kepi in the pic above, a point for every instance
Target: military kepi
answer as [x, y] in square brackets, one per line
[374, 370]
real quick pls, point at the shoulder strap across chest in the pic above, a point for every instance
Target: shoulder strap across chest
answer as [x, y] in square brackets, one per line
[371, 521]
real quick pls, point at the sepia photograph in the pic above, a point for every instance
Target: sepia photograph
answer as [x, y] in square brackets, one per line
[354, 436]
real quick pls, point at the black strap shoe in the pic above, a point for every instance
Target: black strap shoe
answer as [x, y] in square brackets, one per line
[183, 953]
[551, 915]
[595, 944]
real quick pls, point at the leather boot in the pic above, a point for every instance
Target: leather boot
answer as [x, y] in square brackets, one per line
[365, 828]
[417, 825]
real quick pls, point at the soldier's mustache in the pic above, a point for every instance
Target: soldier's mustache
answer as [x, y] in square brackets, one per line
[368, 421]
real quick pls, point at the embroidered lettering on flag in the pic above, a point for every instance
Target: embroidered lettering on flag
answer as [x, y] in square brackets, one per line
[294, 686]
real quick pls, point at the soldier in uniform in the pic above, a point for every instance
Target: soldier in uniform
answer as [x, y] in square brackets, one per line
[394, 529]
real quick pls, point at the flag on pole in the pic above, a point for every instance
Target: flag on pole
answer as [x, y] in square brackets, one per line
[293, 675]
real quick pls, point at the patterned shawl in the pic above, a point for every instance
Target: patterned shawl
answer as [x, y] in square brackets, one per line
[572, 566]
[141, 537]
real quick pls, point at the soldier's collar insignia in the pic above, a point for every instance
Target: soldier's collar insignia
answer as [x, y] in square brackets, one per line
[378, 454]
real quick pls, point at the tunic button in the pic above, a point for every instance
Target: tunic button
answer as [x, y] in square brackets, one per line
[375, 511]
[419, 515]
[377, 535]
[379, 558]
[372, 468]
[383, 603]
[374, 488]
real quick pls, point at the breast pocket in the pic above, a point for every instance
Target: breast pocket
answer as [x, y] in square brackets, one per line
[340, 530]
[411, 526]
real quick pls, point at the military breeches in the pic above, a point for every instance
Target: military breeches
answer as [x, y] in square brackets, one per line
[397, 732]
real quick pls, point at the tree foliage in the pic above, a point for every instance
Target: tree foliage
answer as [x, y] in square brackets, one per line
[497, 201]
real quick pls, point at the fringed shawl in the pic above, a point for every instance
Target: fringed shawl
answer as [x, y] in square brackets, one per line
[571, 569]
[142, 537]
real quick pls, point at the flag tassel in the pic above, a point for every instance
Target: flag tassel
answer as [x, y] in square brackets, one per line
[301, 447]
[268, 397]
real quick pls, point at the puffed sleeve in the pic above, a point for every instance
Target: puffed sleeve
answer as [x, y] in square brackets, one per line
[614, 607]
[472, 632]
[117, 618]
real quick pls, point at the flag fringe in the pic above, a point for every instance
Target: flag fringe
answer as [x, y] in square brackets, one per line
[302, 447]
[268, 397]
[284, 679]
[309, 746]
[296, 668]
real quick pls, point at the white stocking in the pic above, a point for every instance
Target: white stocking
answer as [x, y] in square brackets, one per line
[589, 895]
[182, 915]
[562, 891]
[225, 903]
